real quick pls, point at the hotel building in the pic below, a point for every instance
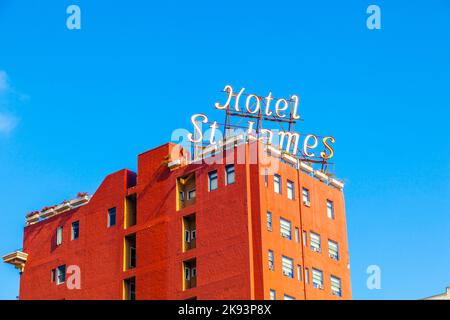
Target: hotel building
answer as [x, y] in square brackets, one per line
[182, 229]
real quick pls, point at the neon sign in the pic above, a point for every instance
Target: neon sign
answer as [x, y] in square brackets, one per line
[260, 109]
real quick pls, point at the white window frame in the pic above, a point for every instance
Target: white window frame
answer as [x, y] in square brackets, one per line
[213, 176]
[230, 172]
[59, 274]
[277, 183]
[272, 294]
[315, 242]
[305, 238]
[317, 278]
[299, 272]
[287, 266]
[306, 197]
[269, 218]
[283, 230]
[336, 286]
[330, 209]
[333, 254]
[59, 235]
[290, 190]
[271, 260]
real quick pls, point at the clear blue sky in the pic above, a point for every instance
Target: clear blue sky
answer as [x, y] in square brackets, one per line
[77, 105]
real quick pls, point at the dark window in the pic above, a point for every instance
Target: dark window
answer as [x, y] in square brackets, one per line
[130, 251]
[61, 273]
[229, 174]
[212, 180]
[111, 217]
[130, 289]
[75, 230]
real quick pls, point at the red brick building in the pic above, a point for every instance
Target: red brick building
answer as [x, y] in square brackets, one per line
[191, 230]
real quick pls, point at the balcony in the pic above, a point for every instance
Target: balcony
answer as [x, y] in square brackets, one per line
[185, 191]
[17, 259]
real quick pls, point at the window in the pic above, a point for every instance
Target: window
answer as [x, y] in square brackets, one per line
[299, 272]
[191, 195]
[186, 191]
[229, 171]
[59, 236]
[333, 250]
[190, 232]
[290, 190]
[130, 252]
[129, 289]
[190, 274]
[335, 286]
[271, 261]
[285, 228]
[269, 221]
[305, 197]
[297, 235]
[266, 177]
[305, 240]
[314, 239]
[273, 294]
[130, 211]
[288, 297]
[61, 274]
[307, 275]
[330, 209]
[212, 180]
[53, 275]
[111, 217]
[75, 230]
[317, 278]
[276, 183]
[288, 267]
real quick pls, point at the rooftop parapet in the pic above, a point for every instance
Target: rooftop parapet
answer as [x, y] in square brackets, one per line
[48, 212]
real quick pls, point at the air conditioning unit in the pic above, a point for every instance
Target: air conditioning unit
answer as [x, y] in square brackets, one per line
[316, 249]
[318, 286]
[287, 274]
[286, 236]
[333, 256]
[307, 203]
[336, 293]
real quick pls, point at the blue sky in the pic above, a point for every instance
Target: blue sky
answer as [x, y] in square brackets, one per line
[76, 105]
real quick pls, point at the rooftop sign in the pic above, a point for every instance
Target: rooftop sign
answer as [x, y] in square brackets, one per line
[258, 110]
